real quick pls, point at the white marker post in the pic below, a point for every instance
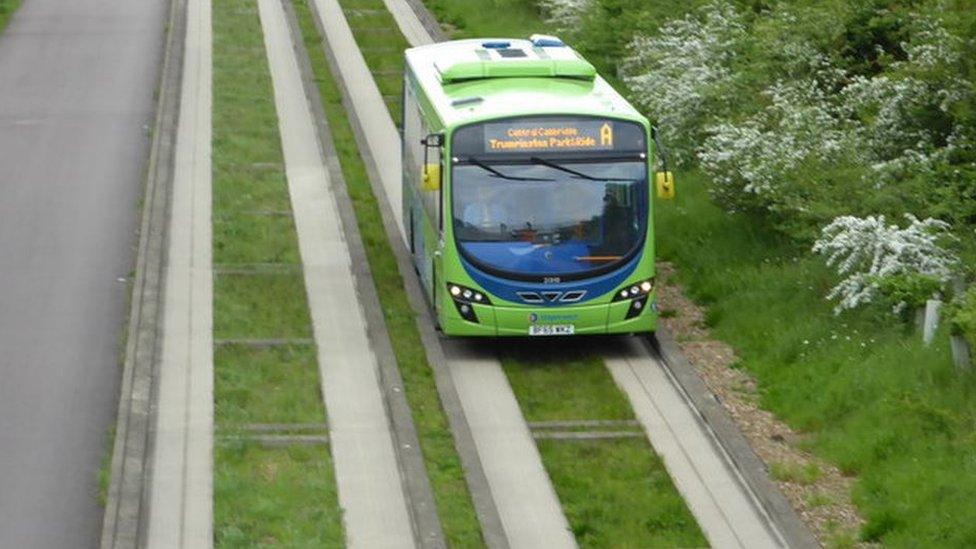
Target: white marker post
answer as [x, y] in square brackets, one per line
[931, 322]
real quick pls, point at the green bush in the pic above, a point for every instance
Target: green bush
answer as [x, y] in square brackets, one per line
[962, 316]
[907, 292]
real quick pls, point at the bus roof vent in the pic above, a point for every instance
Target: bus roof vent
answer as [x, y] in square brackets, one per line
[546, 41]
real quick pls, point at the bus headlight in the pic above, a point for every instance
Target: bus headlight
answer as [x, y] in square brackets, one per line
[635, 291]
[464, 294]
[638, 294]
[464, 297]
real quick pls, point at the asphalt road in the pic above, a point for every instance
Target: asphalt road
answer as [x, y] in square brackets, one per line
[76, 96]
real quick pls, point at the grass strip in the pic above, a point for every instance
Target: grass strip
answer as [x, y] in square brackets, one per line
[281, 496]
[615, 493]
[480, 19]
[275, 497]
[269, 385]
[454, 506]
[628, 501]
[7, 9]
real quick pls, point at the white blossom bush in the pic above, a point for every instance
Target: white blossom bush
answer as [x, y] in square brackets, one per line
[753, 162]
[866, 251]
[897, 110]
[564, 15]
[683, 76]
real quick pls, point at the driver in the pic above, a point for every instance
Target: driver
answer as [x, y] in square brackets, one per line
[485, 212]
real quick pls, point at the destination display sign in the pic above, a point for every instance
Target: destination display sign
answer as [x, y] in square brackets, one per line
[549, 135]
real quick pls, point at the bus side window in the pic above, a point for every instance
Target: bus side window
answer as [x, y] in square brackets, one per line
[415, 129]
[412, 134]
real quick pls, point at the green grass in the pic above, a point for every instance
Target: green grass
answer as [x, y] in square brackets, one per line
[7, 9]
[249, 238]
[874, 400]
[263, 306]
[282, 497]
[628, 501]
[796, 473]
[262, 497]
[454, 505]
[105, 467]
[563, 386]
[615, 493]
[273, 385]
[482, 19]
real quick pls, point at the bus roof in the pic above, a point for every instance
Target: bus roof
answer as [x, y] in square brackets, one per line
[476, 79]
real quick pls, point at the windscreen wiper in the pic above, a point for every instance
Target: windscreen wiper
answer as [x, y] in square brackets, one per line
[497, 173]
[581, 175]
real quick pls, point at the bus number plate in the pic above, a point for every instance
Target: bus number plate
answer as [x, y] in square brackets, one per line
[551, 329]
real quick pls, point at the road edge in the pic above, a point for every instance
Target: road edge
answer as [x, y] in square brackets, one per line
[751, 469]
[126, 504]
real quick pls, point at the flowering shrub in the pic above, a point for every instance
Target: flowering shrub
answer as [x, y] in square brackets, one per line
[683, 78]
[906, 121]
[752, 163]
[564, 15]
[811, 115]
[866, 251]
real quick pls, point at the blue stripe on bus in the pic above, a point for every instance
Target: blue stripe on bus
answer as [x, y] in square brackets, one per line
[594, 287]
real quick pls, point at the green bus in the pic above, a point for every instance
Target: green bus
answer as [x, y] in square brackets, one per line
[526, 195]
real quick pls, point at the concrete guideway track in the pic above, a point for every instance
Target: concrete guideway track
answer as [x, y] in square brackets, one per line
[369, 482]
[76, 96]
[523, 495]
[724, 506]
[181, 470]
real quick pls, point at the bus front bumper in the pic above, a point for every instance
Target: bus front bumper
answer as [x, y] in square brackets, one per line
[604, 318]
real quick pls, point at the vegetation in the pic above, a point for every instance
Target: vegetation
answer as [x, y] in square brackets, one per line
[7, 9]
[903, 264]
[275, 497]
[262, 496]
[844, 109]
[962, 315]
[477, 19]
[787, 116]
[870, 397]
[454, 505]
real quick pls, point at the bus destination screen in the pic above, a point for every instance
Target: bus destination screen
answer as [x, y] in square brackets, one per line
[553, 135]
